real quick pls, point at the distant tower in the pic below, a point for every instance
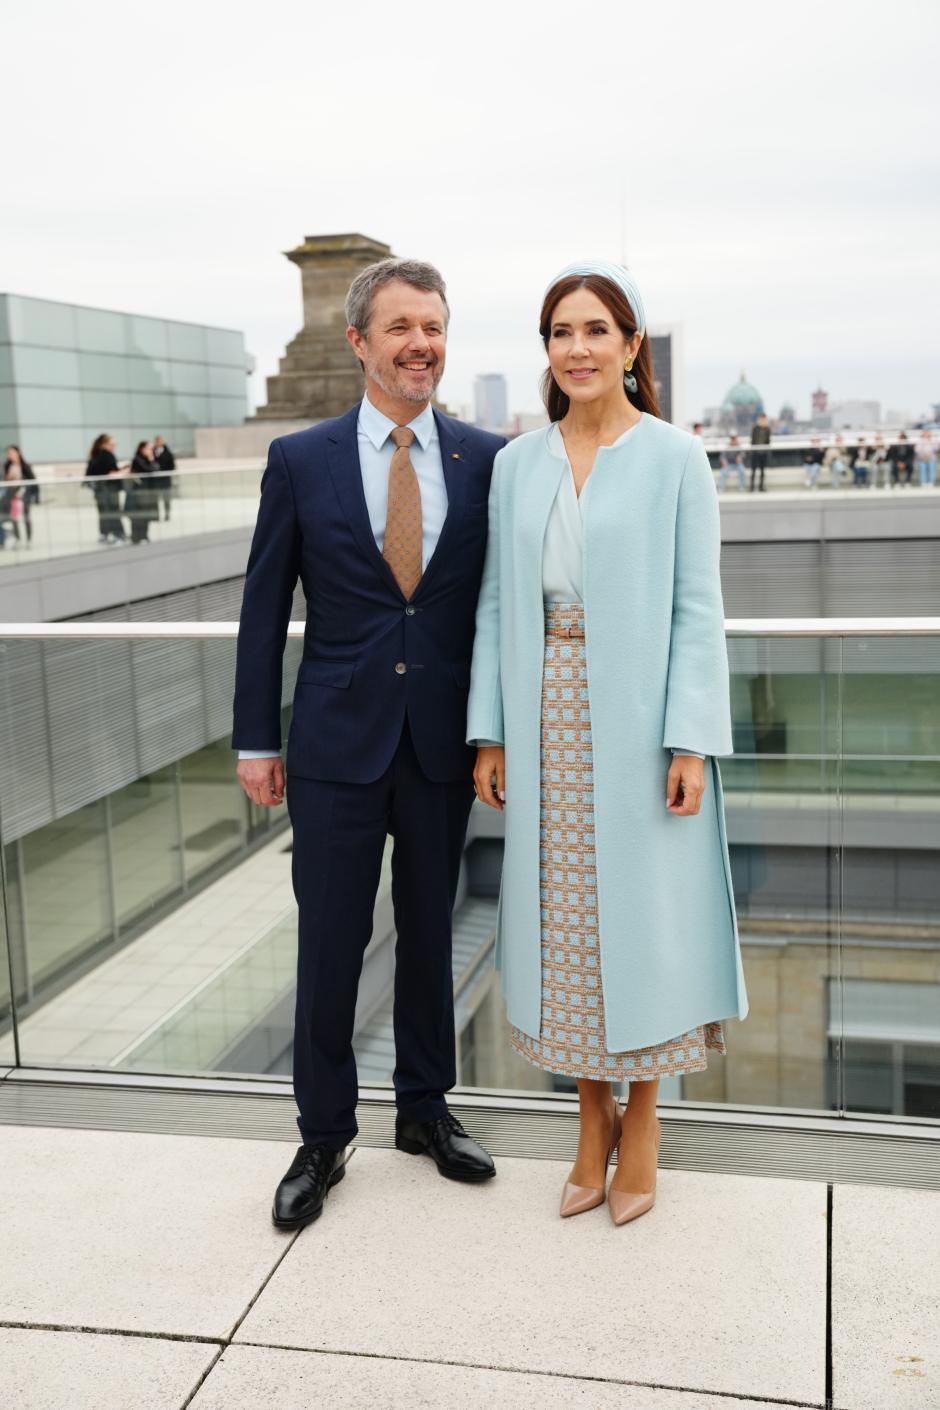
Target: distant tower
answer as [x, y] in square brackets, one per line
[820, 401]
[491, 399]
[319, 375]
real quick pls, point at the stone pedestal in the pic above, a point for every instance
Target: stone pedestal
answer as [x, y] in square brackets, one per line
[319, 375]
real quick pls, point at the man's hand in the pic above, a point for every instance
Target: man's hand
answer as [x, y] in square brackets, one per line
[262, 780]
[685, 785]
[489, 776]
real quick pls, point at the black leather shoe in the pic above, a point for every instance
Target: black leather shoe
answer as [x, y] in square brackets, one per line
[455, 1154]
[301, 1194]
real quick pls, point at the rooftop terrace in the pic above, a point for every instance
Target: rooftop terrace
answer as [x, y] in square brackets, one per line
[141, 1272]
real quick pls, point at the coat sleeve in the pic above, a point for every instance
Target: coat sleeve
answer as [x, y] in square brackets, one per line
[273, 568]
[698, 708]
[485, 705]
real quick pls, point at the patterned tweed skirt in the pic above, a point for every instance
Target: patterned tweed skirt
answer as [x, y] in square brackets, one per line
[571, 1041]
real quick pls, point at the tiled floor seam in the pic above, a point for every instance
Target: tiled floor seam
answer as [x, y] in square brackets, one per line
[531, 1371]
[200, 1382]
[291, 1241]
[7, 1325]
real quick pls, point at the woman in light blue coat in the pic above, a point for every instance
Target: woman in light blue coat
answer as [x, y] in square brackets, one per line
[599, 701]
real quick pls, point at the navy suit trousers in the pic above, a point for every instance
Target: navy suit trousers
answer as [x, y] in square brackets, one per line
[339, 840]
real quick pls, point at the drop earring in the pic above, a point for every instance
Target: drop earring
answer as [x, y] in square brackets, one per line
[629, 381]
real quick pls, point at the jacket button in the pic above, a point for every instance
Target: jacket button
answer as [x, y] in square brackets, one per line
[400, 668]
[409, 611]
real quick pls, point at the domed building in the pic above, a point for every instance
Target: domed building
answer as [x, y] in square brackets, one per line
[741, 407]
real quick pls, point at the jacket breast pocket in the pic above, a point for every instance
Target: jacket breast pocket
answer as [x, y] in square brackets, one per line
[337, 674]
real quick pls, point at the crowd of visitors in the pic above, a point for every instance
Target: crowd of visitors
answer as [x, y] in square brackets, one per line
[146, 485]
[861, 462]
[872, 463]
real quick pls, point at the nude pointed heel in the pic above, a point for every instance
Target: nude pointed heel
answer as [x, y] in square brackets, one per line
[578, 1199]
[624, 1205]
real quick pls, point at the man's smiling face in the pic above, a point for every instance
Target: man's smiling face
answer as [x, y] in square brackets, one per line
[403, 348]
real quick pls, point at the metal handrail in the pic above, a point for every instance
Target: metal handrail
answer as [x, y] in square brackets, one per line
[254, 463]
[222, 631]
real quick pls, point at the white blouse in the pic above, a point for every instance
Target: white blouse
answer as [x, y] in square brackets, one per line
[563, 549]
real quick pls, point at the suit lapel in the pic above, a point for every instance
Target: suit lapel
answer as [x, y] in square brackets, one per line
[346, 473]
[456, 462]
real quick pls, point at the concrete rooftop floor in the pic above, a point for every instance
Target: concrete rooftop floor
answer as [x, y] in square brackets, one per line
[141, 1272]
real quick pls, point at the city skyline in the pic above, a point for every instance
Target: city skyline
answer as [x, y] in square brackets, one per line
[786, 221]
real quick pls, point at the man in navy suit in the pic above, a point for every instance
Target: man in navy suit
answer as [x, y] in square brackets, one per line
[376, 743]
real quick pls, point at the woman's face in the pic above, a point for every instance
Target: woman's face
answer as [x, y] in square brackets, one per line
[13, 454]
[586, 348]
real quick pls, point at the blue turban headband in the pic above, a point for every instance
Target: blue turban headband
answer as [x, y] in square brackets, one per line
[617, 275]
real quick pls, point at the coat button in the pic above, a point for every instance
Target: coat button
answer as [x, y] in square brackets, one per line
[400, 668]
[409, 611]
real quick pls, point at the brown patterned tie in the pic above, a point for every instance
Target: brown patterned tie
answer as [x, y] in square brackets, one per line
[403, 534]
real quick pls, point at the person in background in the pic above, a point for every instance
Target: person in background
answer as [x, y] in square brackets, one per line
[925, 453]
[163, 482]
[760, 438]
[812, 460]
[860, 465]
[834, 461]
[16, 468]
[880, 465]
[696, 428]
[732, 458]
[11, 505]
[902, 460]
[141, 505]
[102, 472]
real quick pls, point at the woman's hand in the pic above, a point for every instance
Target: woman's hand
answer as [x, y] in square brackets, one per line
[685, 785]
[489, 776]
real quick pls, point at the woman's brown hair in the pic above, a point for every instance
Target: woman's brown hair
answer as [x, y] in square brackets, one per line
[99, 443]
[644, 398]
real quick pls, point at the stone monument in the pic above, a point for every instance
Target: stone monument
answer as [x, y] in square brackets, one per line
[319, 375]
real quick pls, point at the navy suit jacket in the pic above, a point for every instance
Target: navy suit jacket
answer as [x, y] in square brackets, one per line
[352, 695]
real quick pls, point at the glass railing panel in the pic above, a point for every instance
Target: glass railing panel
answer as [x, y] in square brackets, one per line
[886, 1012]
[76, 515]
[119, 804]
[152, 924]
[8, 1055]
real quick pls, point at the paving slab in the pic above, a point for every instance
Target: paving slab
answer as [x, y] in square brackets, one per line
[42, 1370]
[720, 1288]
[165, 1234]
[269, 1379]
[885, 1298]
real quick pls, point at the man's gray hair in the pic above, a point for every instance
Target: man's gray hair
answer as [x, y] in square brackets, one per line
[409, 271]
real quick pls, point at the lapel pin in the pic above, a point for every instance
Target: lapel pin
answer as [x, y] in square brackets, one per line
[454, 455]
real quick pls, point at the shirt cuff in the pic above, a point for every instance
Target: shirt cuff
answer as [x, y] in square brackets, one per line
[487, 743]
[693, 753]
[259, 753]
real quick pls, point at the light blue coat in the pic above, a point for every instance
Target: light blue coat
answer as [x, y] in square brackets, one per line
[657, 680]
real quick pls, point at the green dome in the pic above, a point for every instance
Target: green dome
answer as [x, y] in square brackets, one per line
[743, 394]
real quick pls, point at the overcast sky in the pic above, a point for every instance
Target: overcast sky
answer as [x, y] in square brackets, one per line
[770, 171]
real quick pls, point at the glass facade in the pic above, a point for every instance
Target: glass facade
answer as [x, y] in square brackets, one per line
[151, 923]
[69, 373]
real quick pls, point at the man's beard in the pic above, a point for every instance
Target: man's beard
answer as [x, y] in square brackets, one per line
[401, 389]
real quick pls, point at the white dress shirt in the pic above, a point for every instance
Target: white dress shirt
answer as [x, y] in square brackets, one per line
[373, 434]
